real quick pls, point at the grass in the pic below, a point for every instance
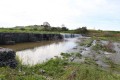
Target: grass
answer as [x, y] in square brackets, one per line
[113, 66]
[97, 47]
[87, 72]
[86, 42]
[30, 30]
[10, 30]
[108, 47]
[58, 69]
[67, 55]
[113, 39]
[53, 68]
[105, 35]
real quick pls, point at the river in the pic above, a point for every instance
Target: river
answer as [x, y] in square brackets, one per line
[38, 52]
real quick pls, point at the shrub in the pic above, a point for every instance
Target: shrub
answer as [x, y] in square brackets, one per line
[22, 28]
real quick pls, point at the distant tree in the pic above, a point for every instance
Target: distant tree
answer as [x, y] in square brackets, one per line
[53, 29]
[59, 29]
[22, 28]
[46, 24]
[35, 29]
[62, 25]
[64, 29]
[11, 28]
[82, 30]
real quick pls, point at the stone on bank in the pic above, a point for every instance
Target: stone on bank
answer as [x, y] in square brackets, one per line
[7, 58]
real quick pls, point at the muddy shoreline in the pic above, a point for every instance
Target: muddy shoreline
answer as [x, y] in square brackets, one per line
[101, 57]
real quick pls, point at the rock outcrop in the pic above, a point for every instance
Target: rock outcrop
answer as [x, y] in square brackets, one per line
[12, 38]
[7, 58]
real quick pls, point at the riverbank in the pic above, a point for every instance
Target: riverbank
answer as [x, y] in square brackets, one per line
[12, 38]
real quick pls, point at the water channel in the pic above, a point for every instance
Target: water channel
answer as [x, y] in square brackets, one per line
[38, 52]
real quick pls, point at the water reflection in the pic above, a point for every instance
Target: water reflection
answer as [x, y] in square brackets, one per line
[37, 52]
[44, 52]
[29, 45]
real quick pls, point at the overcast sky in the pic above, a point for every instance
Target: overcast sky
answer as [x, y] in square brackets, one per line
[98, 14]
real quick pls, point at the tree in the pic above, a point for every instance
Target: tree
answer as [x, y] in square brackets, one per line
[64, 29]
[82, 30]
[46, 24]
[53, 29]
[62, 25]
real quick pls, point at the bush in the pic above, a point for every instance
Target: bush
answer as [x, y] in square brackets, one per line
[108, 34]
[22, 28]
[65, 54]
[82, 30]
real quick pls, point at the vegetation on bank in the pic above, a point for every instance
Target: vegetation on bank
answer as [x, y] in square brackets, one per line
[35, 29]
[113, 36]
[49, 29]
[22, 30]
[43, 29]
[58, 69]
[86, 42]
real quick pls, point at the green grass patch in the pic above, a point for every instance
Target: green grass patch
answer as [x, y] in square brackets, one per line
[113, 39]
[67, 55]
[86, 42]
[13, 30]
[107, 47]
[87, 72]
[58, 69]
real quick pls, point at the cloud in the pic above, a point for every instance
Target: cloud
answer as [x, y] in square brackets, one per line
[72, 13]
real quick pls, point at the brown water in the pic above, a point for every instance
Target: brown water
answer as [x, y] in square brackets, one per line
[29, 45]
[38, 52]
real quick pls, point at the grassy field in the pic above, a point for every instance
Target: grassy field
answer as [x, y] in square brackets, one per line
[58, 69]
[97, 33]
[12, 30]
[105, 35]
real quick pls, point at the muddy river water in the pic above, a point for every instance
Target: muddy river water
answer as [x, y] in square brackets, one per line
[38, 52]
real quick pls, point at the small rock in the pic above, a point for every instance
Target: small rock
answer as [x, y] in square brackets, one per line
[75, 48]
[107, 53]
[7, 58]
[42, 71]
[71, 59]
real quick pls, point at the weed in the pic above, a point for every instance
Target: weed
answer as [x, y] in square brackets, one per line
[65, 55]
[108, 47]
[97, 47]
[86, 42]
[78, 55]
